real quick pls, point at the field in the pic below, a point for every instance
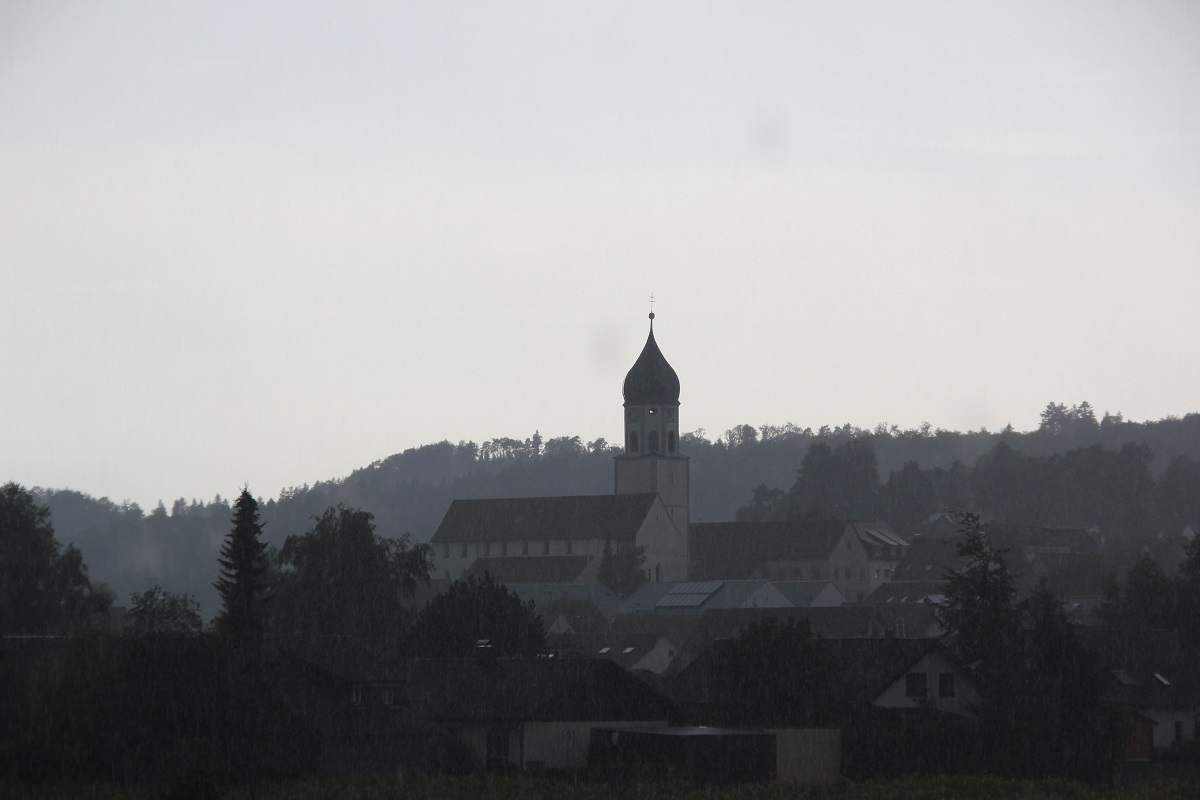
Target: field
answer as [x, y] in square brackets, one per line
[503, 786]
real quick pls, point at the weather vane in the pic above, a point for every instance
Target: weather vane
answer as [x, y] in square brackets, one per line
[652, 305]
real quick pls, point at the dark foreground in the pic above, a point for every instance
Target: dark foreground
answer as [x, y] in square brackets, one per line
[522, 786]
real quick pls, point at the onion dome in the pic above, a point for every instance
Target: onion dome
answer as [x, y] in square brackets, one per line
[651, 380]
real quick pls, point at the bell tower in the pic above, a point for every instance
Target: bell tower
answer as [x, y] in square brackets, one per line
[651, 461]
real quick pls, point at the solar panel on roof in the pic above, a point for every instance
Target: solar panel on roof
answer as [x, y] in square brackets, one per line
[696, 587]
[681, 600]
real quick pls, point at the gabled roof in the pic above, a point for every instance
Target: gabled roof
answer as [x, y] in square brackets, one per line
[735, 550]
[613, 517]
[543, 595]
[858, 670]
[805, 594]
[546, 689]
[908, 592]
[530, 569]
[625, 649]
[864, 668]
[1149, 668]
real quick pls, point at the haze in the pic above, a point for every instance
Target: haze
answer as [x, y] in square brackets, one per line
[274, 242]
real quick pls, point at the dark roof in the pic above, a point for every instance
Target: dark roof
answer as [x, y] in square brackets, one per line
[915, 591]
[1150, 668]
[550, 689]
[859, 670]
[625, 649]
[651, 380]
[863, 669]
[544, 594]
[603, 516]
[736, 550]
[530, 569]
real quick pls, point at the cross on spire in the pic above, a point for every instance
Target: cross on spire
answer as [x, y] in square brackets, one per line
[652, 306]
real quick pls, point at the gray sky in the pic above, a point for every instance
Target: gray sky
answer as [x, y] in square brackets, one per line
[274, 242]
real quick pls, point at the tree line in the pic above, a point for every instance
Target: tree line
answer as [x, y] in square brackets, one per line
[181, 706]
[915, 472]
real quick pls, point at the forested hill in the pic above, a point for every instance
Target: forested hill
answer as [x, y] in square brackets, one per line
[131, 550]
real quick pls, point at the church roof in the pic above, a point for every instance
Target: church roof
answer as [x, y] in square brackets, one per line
[651, 380]
[529, 569]
[613, 517]
[736, 550]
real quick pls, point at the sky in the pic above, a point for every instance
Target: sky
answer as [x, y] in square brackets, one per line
[271, 243]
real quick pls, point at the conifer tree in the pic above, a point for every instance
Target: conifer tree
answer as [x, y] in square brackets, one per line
[243, 579]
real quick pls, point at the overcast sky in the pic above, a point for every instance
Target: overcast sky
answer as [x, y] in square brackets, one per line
[274, 242]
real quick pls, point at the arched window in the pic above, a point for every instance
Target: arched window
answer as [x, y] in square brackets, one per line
[652, 441]
[672, 441]
[633, 442]
[658, 573]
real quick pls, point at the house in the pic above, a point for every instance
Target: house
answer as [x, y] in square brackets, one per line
[528, 713]
[695, 597]
[855, 556]
[1153, 674]
[562, 539]
[376, 712]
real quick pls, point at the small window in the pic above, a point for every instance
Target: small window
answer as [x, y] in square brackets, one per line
[652, 441]
[658, 573]
[604, 650]
[546, 547]
[672, 441]
[388, 695]
[633, 441]
[627, 650]
[916, 685]
[525, 547]
[1178, 730]
[1162, 679]
[946, 684]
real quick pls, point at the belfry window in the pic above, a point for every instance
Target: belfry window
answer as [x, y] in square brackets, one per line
[672, 441]
[652, 441]
[633, 441]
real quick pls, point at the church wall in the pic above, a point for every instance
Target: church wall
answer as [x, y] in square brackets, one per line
[666, 547]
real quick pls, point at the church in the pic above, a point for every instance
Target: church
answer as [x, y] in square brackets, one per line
[563, 539]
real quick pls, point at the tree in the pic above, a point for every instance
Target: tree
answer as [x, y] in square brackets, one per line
[243, 580]
[1043, 709]
[765, 505]
[978, 613]
[477, 613]
[43, 588]
[836, 483]
[908, 497]
[621, 571]
[1178, 494]
[1149, 598]
[770, 674]
[341, 579]
[155, 612]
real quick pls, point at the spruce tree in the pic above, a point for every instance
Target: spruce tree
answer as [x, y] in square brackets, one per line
[243, 579]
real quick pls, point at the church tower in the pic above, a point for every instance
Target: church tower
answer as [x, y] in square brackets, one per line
[652, 462]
